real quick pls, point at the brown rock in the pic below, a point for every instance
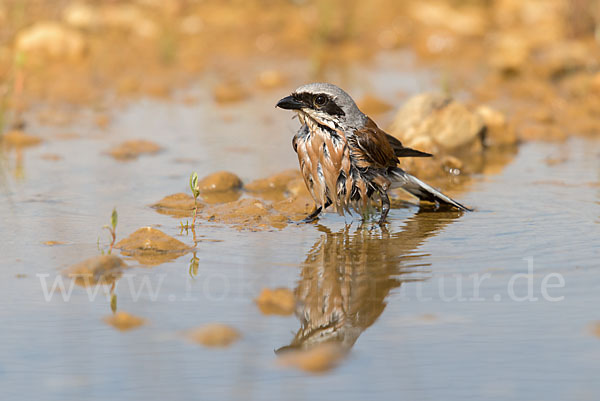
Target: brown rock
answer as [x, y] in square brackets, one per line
[82, 16]
[509, 53]
[229, 92]
[468, 21]
[51, 40]
[213, 198]
[250, 214]
[371, 105]
[452, 164]
[448, 123]
[123, 321]
[498, 131]
[220, 182]
[295, 208]
[297, 188]
[277, 182]
[151, 246]
[537, 132]
[177, 205]
[270, 79]
[132, 149]
[19, 139]
[595, 83]
[279, 301]
[214, 335]
[129, 18]
[105, 269]
[319, 359]
[564, 57]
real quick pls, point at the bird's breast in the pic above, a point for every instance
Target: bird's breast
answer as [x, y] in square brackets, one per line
[324, 161]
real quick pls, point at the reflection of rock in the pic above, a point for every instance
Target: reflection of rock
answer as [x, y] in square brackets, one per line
[214, 335]
[346, 278]
[318, 359]
[596, 329]
[105, 269]
[19, 139]
[177, 205]
[221, 181]
[279, 301]
[123, 321]
[150, 246]
[50, 39]
[132, 149]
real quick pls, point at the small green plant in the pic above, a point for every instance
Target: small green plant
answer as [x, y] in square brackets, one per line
[112, 229]
[196, 193]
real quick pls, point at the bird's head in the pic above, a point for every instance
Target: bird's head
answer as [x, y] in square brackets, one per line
[325, 104]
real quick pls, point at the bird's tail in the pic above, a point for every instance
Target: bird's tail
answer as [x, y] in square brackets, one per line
[416, 187]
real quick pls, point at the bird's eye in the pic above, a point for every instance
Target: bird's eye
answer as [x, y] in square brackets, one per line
[320, 100]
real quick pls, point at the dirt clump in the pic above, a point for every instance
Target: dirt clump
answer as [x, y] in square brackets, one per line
[150, 246]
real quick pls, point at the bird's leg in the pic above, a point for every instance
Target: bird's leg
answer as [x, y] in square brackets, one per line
[313, 216]
[385, 206]
[315, 213]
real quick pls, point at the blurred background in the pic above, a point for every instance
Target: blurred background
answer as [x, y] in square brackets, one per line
[112, 104]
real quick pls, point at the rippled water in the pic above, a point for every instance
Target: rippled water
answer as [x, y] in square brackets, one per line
[403, 302]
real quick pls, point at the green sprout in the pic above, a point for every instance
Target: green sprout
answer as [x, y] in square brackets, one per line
[112, 229]
[196, 193]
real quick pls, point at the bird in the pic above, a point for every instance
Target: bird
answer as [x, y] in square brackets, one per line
[346, 160]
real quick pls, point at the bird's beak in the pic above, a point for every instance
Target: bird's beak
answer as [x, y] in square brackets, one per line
[289, 103]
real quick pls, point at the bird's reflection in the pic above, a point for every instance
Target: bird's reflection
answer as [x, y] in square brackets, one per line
[347, 276]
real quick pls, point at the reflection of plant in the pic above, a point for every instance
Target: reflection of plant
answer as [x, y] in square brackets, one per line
[113, 299]
[196, 193]
[194, 261]
[112, 229]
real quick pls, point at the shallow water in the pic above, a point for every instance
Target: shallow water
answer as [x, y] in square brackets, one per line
[401, 301]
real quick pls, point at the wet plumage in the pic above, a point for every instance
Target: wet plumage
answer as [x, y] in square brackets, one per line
[345, 158]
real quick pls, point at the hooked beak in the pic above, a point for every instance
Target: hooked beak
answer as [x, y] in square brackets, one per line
[289, 103]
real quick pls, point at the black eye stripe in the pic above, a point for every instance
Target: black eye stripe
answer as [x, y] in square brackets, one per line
[330, 108]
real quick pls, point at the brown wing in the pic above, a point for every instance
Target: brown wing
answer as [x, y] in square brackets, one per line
[372, 148]
[401, 151]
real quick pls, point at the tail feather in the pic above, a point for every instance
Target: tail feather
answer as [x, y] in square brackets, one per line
[423, 191]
